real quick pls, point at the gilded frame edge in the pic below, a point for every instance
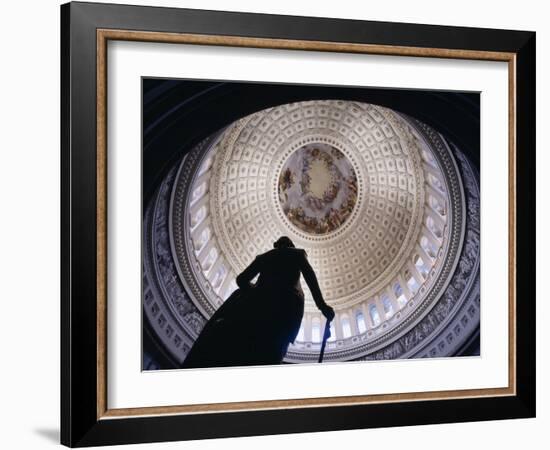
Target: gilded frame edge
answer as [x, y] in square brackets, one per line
[103, 35]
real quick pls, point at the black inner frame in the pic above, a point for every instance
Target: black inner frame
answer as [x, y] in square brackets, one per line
[79, 424]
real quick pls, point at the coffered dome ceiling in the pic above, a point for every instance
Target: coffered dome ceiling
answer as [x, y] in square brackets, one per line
[363, 151]
[373, 196]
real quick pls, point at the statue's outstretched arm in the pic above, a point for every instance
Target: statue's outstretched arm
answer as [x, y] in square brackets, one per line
[244, 278]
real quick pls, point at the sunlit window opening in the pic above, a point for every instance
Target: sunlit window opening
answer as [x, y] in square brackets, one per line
[433, 227]
[198, 217]
[375, 317]
[202, 240]
[316, 331]
[346, 327]
[434, 182]
[388, 307]
[428, 247]
[399, 295]
[361, 324]
[210, 259]
[413, 285]
[332, 337]
[198, 192]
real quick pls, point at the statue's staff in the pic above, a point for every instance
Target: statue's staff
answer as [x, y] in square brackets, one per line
[326, 335]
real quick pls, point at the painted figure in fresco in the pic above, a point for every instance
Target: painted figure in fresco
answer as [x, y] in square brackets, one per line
[258, 321]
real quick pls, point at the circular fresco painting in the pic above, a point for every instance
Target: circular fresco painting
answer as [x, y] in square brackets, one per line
[317, 188]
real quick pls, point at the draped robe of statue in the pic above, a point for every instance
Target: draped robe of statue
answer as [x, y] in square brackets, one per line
[257, 322]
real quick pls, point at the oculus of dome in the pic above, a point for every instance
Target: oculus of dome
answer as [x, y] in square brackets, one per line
[317, 188]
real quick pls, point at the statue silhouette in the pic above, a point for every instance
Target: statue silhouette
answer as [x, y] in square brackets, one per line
[258, 321]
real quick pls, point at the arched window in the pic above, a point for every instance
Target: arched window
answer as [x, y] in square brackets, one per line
[198, 217]
[315, 330]
[332, 337]
[375, 317]
[399, 295]
[430, 223]
[361, 324]
[435, 182]
[421, 266]
[388, 307]
[210, 259]
[435, 205]
[346, 327]
[397, 290]
[413, 285]
[201, 241]
[198, 192]
[427, 247]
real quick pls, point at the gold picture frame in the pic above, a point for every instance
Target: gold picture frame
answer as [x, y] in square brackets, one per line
[112, 425]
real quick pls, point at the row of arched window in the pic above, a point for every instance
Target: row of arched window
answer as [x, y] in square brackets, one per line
[215, 270]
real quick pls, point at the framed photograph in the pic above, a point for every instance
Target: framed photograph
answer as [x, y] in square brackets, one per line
[277, 224]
